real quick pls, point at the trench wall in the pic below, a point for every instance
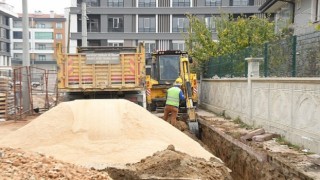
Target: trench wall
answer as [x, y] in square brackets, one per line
[286, 106]
[244, 162]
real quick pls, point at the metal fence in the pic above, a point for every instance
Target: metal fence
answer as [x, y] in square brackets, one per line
[295, 56]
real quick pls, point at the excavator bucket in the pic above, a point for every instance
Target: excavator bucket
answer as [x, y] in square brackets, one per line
[193, 123]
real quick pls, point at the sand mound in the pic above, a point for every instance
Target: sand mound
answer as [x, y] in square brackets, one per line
[100, 133]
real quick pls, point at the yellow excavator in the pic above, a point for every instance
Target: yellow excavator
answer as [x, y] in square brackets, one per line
[166, 68]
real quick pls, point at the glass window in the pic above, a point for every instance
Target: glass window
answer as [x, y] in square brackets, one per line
[210, 23]
[42, 57]
[213, 2]
[147, 24]
[150, 47]
[115, 24]
[181, 3]
[179, 46]
[58, 36]
[169, 67]
[147, 3]
[240, 3]
[93, 24]
[115, 3]
[43, 35]
[17, 35]
[180, 24]
[42, 46]
[59, 25]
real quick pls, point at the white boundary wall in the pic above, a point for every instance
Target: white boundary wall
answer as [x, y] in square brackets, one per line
[287, 106]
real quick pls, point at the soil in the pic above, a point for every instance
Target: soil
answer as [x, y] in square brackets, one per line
[59, 138]
[19, 164]
[286, 153]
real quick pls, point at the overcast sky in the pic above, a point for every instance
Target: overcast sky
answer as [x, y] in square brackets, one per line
[45, 6]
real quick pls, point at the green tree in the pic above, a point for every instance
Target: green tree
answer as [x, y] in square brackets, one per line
[234, 34]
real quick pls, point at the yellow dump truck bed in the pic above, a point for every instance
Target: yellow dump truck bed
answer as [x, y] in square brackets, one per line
[102, 69]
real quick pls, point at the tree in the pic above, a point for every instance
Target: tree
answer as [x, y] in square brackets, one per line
[234, 34]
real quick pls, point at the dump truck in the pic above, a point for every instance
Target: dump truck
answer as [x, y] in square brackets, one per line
[103, 72]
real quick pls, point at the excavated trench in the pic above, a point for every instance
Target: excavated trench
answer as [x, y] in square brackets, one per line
[244, 161]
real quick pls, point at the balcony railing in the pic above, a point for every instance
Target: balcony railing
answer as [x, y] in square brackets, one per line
[115, 4]
[44, 48]
[147, 29]
[144, 4]
[180, 29]
[215, 3]
[181, 4]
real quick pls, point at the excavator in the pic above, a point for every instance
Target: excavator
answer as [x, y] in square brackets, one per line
[166, 68]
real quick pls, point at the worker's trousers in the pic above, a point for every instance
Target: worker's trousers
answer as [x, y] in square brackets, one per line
[173, 111]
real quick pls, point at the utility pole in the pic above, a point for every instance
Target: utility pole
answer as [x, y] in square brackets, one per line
[26, 57]
[84, 24]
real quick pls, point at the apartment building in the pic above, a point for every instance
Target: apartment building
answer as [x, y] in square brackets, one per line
[45, 31]
[161, 24]
[6, 15]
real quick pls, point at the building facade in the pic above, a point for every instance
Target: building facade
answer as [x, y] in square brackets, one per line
[161, 24]
[45, 31]
[302, 15]
[6, 15]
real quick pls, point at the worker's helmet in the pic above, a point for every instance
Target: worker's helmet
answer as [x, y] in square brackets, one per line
[178, 82]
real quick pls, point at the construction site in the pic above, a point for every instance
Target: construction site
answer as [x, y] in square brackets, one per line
[100, 117]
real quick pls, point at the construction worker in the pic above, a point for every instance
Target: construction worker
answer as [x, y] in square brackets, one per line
[174, 96]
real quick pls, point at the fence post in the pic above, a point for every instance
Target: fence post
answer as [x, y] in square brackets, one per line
[294, 55]
[253, 71]
[266, 71]
[219, 67]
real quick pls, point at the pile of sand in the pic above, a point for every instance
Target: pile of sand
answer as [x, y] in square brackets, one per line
[100, 133]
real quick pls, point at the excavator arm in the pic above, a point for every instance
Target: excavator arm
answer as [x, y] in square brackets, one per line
[185, 76]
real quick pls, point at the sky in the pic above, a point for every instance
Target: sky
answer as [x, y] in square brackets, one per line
[45, 6]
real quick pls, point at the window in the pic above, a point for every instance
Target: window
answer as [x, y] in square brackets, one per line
[17, 35]
[58, 36]
[210, 23]
[90, 3]
[93, 24]
[315, 8]
[115, 3]
[59, 25]
[213, 2]
[43, 35]
[178, 46]
[181, 3]
[150, 47]
[147, 3]
[115, 24]
[42, 57]
[180, 24]
[42, 46]
[241, 2]
[147, 24]
[3, 33]
[41, 26]
[115, 43]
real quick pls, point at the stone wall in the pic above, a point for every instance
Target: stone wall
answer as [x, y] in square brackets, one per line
[287, 106]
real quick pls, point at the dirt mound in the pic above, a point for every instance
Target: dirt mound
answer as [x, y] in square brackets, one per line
[171, 164]
[101, 133]
[17, 164]
[175, 164]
